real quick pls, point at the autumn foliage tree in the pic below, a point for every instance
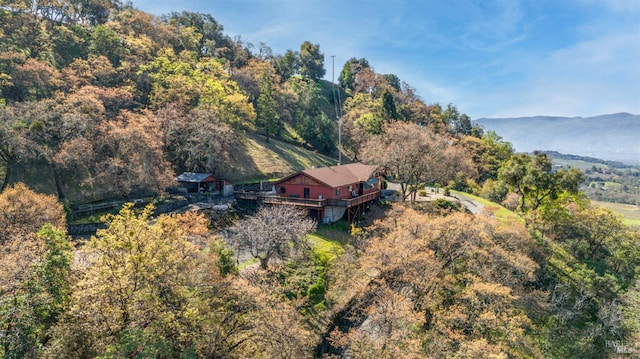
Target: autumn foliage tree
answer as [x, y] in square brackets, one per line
[132, 157]
[158, 286]
[35, 290]
[23, 212]
[135, 283]
[445, 285]
[35, 256]
[14, 145]
[196, 140]
[414, 155]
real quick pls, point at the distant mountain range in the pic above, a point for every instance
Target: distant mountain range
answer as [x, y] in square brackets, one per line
[613, 137]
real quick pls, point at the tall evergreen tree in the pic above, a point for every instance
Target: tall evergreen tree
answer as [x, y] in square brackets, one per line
[311, 61]
[266, 108]
[287, 65]
[389, 111]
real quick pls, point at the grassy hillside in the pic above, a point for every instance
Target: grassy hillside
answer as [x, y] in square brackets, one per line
[630, 213]
[254, 160]
[606, 182]
[579, 164]
[261, 160]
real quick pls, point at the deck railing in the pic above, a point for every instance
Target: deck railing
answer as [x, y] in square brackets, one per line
[307, 202]
[269, 198]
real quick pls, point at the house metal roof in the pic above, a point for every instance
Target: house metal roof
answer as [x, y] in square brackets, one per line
[195, 177]
[341, 175]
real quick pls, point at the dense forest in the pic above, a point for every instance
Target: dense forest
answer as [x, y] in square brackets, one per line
[102, 100]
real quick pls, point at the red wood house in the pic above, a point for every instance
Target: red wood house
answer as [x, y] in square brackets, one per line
[329, 192]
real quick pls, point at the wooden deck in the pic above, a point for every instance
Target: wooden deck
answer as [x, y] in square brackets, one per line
[354, 206]
[268, 198]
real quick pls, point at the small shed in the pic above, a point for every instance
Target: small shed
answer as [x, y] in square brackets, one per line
[194, 182]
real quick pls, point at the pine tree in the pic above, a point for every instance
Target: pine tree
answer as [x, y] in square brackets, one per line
[266, 109]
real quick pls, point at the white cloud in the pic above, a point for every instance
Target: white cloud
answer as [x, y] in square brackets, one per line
[490, 59]
[609, 53]
[596, 75]
[615, 5]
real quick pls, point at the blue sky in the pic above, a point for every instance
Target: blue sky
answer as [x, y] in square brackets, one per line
[491, 58]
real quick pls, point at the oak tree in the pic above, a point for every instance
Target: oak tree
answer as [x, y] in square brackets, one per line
[454, 285]
[350, 71]
[23, 212]
[414, 155]
[135, 279]
[287, 65]
[35, 257]
[533, 179]
[196, 140]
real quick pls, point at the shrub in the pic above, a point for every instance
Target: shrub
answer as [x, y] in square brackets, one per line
[494, 191]
[444, 205]
[316, 292]
[511, 201]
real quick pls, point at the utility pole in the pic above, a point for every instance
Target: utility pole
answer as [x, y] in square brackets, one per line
[336, 107]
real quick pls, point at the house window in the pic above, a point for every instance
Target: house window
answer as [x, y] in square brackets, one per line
[371, 183]
[337, 191]
[350, 188]
[282, 190]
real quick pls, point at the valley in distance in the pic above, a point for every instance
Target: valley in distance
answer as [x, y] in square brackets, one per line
[612, 137]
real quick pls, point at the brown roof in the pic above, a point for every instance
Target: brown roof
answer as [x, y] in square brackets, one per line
[342, 175]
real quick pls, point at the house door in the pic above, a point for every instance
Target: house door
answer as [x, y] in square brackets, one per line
[361, 189]
[306, 193]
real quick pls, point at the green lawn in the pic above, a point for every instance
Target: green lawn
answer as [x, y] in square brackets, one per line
[325, 248]
[329, 239]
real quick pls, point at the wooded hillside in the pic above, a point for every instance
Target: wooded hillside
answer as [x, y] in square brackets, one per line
[103, 100]
[100, 99]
